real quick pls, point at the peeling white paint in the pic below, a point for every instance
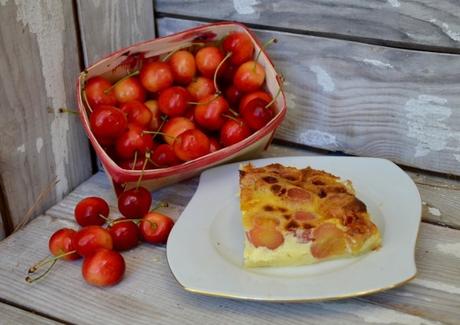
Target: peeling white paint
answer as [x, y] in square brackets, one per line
[434, 211]
[445, 28]
[427, 123]
[323, 78]
[245, 7]
[394, 3]
[378, 63]
[21, 148]
[451, 249]
[39, 144]
[319, 138]
[437, 286]
[375, 314]
[45, 19]
[457, 157]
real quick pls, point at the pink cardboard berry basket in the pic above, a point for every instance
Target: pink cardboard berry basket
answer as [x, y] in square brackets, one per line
[124, 61]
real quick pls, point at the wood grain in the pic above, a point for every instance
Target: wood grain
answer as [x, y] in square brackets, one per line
[13, 316]
[38, 68]
[416, 24]
[366, 100]
[109, 25]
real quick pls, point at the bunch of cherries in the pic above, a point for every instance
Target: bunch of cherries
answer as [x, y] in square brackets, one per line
[101, 238]
[186, 104]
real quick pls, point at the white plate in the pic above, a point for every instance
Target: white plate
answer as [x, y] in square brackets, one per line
[205, 247]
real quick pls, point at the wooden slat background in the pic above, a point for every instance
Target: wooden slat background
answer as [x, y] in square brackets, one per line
[423, 24]
[109, 25]
[366, 100]
[38, 67]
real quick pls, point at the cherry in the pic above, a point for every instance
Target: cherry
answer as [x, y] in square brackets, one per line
[62, 242]
[214, 145]
[183, 66]
[200, 88]
[90, 238]
[209, 112]
[254, 95]
[207, 60]
[95, 92]
[137, 113]
[176, 126]
[125, 234]
[156, 76]
[136, 164]
[132, 141]
[240, 45]
[107, 122]
[129, 89]
[233, 95]
[191, 144]
[103, 268]
[155, 122]
[173, 101]
[134, 203]
[91, 211]
[155, 228]
[164, 156]
[233, 131]
[249, 77]
[255, 114]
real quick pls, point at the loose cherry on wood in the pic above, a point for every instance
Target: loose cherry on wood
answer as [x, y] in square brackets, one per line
[90, 238]
[134, 203]
[89, 211]
[155, 228]
[104, 267]
[125, 234]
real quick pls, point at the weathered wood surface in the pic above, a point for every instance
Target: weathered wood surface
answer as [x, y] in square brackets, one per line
[417, 24]
[13, 316]
[38, 68]
[149, 293]
[366, 100]
[109, 25]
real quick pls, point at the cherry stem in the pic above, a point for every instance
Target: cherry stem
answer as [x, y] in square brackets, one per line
[216, 95]
[229, 54]
[178, 49]
[48, 260]
[235, 113]
[146, 160]
[135, 160]
[29, 279]
[67, 110]
[274, 98]
[264, 46]
[158, 132]
[85, 99]
[164, 118]
[104, 217]
[132, 74]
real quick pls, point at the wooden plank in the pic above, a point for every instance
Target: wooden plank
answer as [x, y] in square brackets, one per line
[12, 316]
[38, 70]
[149, 293]
[416, 24]
[366, 100]
[110, 25]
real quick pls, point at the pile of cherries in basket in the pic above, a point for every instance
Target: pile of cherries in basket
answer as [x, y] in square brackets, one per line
[99, 245]
[183, 105]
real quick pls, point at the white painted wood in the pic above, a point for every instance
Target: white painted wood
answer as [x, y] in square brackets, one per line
[417, 23]
[366, 100]
[12, 316]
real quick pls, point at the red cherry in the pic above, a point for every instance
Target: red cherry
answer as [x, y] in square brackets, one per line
[103, 268]
[173, 101]
[87, 212]
[156, 76]
[233, 95]
[209, 113]
[240, 45]
[137, 113]
[128, 90]
[226, 74]
[125, 234]
[134, 203]
[107, 122]
[155, 228]
[255, 114]
[61, 242]
[183, 66]
[254, 95]
[191, 144]
[249, 77]
[207, 60]
[176, 126]
[155, 122]
[90, 238]
[95, 92]
[132, 141]
[200, 88]
[164, 156]
[129, 164]
[214, 145]
[233, 131]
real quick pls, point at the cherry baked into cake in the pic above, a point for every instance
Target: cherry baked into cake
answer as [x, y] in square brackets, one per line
[301, 216]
